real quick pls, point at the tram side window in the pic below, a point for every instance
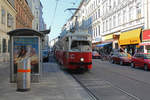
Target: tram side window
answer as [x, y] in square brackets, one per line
[74, 45]
[66, 44]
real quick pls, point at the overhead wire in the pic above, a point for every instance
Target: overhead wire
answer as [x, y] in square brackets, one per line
[53, 18]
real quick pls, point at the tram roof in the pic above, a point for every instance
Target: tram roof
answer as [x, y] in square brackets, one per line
[77, 34]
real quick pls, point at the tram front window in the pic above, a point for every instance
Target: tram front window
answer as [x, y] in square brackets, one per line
[80, 46]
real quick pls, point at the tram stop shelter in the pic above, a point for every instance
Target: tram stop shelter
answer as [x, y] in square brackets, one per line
[27, 40]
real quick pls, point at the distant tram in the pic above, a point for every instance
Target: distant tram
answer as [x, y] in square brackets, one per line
[74, 51]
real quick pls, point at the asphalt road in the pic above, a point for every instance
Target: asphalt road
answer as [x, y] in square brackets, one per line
[115, 82]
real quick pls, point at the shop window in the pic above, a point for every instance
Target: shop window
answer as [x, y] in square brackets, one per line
[140, 49]
[148, 48]
[4, 45]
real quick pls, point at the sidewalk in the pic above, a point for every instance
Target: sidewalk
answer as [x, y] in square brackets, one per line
[54, 85]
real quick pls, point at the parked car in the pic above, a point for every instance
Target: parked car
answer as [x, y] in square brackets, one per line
[121, 58]
[95, 54]
[141, 60]
[45, 55]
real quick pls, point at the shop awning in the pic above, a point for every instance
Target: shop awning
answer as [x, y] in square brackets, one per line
[102, 45]
[130, 37]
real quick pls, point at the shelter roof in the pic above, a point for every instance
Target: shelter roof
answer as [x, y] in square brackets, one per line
[25, 32]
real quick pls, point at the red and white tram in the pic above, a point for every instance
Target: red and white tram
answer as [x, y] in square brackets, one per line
[74, 51]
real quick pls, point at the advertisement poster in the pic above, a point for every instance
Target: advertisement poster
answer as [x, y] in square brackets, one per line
[26, 48]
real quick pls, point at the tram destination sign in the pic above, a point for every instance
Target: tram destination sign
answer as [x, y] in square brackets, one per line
[81, 38]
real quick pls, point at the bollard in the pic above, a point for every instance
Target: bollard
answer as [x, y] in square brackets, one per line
[24, 75]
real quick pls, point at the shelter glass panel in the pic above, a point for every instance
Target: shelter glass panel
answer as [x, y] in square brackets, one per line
[26, 47]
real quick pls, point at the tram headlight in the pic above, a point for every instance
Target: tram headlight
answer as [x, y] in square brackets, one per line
[81, 59]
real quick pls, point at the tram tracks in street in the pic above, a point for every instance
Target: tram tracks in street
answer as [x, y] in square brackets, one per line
[92, 96]
[89, 87]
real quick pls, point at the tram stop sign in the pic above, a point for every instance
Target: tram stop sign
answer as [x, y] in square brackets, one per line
[25, 41]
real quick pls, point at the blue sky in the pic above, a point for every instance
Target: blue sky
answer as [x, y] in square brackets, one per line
[61, 16]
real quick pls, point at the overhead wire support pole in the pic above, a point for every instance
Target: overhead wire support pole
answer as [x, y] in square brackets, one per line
[70, 9]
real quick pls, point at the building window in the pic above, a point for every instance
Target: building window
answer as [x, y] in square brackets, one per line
[12, 2]
[3, 16]
[106, 25]
[93, 33]
[114, 5]
[124, 16]
[4, 45]
[114, 21]
[96, 31]
[119, 19]
[37, 26]
[96, 2]
[119, 1]
[9, 20]
[98, 13]
[103, 26]
[103, 10]
[110, 23]
[138, 10]
[131, 13]
[109, 4]
[99, 30]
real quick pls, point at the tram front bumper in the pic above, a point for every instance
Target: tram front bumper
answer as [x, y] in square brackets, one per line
[80, 63]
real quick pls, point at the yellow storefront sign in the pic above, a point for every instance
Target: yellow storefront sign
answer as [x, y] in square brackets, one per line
[130, 37]
[108, 37]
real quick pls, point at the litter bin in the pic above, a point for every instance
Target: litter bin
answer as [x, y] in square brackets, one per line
[24, 75]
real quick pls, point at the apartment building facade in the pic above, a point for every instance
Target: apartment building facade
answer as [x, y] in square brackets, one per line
[24, 15]
[7, 23]
[108, 19]
[36, 8]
